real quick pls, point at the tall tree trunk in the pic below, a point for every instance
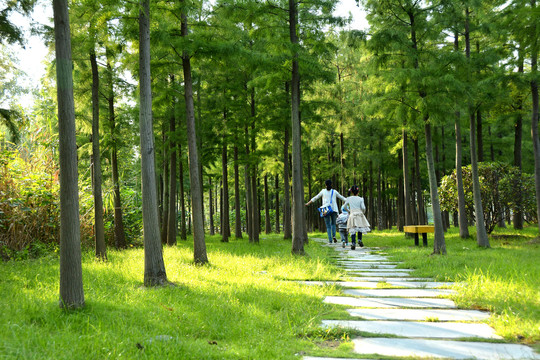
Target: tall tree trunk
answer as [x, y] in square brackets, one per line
[119, 233]
[71, 282]
[400, 200]
[277, 204]
[287, 228]
[199, 250]
[297, 167]
[183, 234]
[267, 223]
[481, 234]
[249, 193]
[380, 210]
[342, 161]
[534, 114]
[419, 193]
[406, 179]
[154, 267]
[165, 189]
[99, 226]
[172, 222]
[439, 245]
[225, 220]
[254, 188]
[518, 140]
[237, 212]
[462, 212]
[211, 206]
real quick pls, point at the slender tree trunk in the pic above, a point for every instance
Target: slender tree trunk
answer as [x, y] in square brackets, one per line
[406, 179]
[172, 222]
[380, 210]
[154, 267]
[419, 193]
[71, 282]
[439, 245]
[277, 204]
[287, 229]
[534, 113]
[249, 193]
[199, 251]
[267, 224]
[481, 234]
[462, 213]
[119, 233]
[400, 200]
[237, 212]
[518, 140]
[256, 227]
[225, 220]
[99, 226]
[183, 234]
[297, 168]
[211, 206]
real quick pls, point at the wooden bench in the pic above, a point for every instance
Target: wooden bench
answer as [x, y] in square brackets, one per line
[419, 229]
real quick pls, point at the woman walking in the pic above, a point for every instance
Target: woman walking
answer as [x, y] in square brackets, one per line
[357, 222]
[329, 198]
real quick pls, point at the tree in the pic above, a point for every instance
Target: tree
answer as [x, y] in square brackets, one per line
[154, 267]
[71, 282]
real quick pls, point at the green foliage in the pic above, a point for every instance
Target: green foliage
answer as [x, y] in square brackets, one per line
[501, 187]
[29, 192]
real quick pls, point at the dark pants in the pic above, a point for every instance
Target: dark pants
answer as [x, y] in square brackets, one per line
[353, 238]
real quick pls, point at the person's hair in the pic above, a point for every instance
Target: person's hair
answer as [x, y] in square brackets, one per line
[354, 189]
[328, 184]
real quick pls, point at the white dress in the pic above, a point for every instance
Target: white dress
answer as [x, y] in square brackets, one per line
[357, 222]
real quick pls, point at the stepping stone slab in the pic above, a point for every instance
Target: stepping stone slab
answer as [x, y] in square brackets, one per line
[391, 302]
[411, 329]
[420, 315]
[399, 292]
[375, 284]
[380, 275]
[390, 279]
[362, 265]
[421, 348]
[388, 271]
[365, 258]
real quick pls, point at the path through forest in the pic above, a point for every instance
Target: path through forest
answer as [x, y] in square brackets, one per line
[415, 311]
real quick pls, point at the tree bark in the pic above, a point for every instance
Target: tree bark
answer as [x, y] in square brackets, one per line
[406, 180]
[119, 233]
[99, 226]
[267, 224]
[172, 222]
[225, 220]
[211, 206]
[237, 212]
[518, 140]
[183, 234]
[154, 267]
[249, 193]
[277, 205]
[287, 229]
[479, 136]
[534, 113]
[419, 193]
[439, 244]
[199, 250]
[71, 281]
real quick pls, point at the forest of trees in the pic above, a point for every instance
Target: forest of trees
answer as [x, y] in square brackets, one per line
[225, 117]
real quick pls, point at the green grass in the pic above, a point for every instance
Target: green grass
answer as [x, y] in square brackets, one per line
[246, 304]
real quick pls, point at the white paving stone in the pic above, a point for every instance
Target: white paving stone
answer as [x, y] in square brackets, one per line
[420, 315]
[389, 279]
[391, 302]
[376, 284]
[379, 274]
[362, 266]
[399, 292]
[411, 329]
[421, 348]
[367, 257]
[387, 271]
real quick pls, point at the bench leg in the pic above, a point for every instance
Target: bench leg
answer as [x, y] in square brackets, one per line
[416, 243]
[424, 238]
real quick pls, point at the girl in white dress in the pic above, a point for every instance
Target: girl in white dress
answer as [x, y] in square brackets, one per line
[357, 222]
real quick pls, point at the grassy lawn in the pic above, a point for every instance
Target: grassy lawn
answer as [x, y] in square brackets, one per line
[245, 304]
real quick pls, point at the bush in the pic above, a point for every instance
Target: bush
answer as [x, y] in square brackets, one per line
[501, 188]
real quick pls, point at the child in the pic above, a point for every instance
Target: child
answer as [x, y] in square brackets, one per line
[341, 224]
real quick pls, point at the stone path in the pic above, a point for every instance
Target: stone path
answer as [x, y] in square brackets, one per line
[414, 311]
